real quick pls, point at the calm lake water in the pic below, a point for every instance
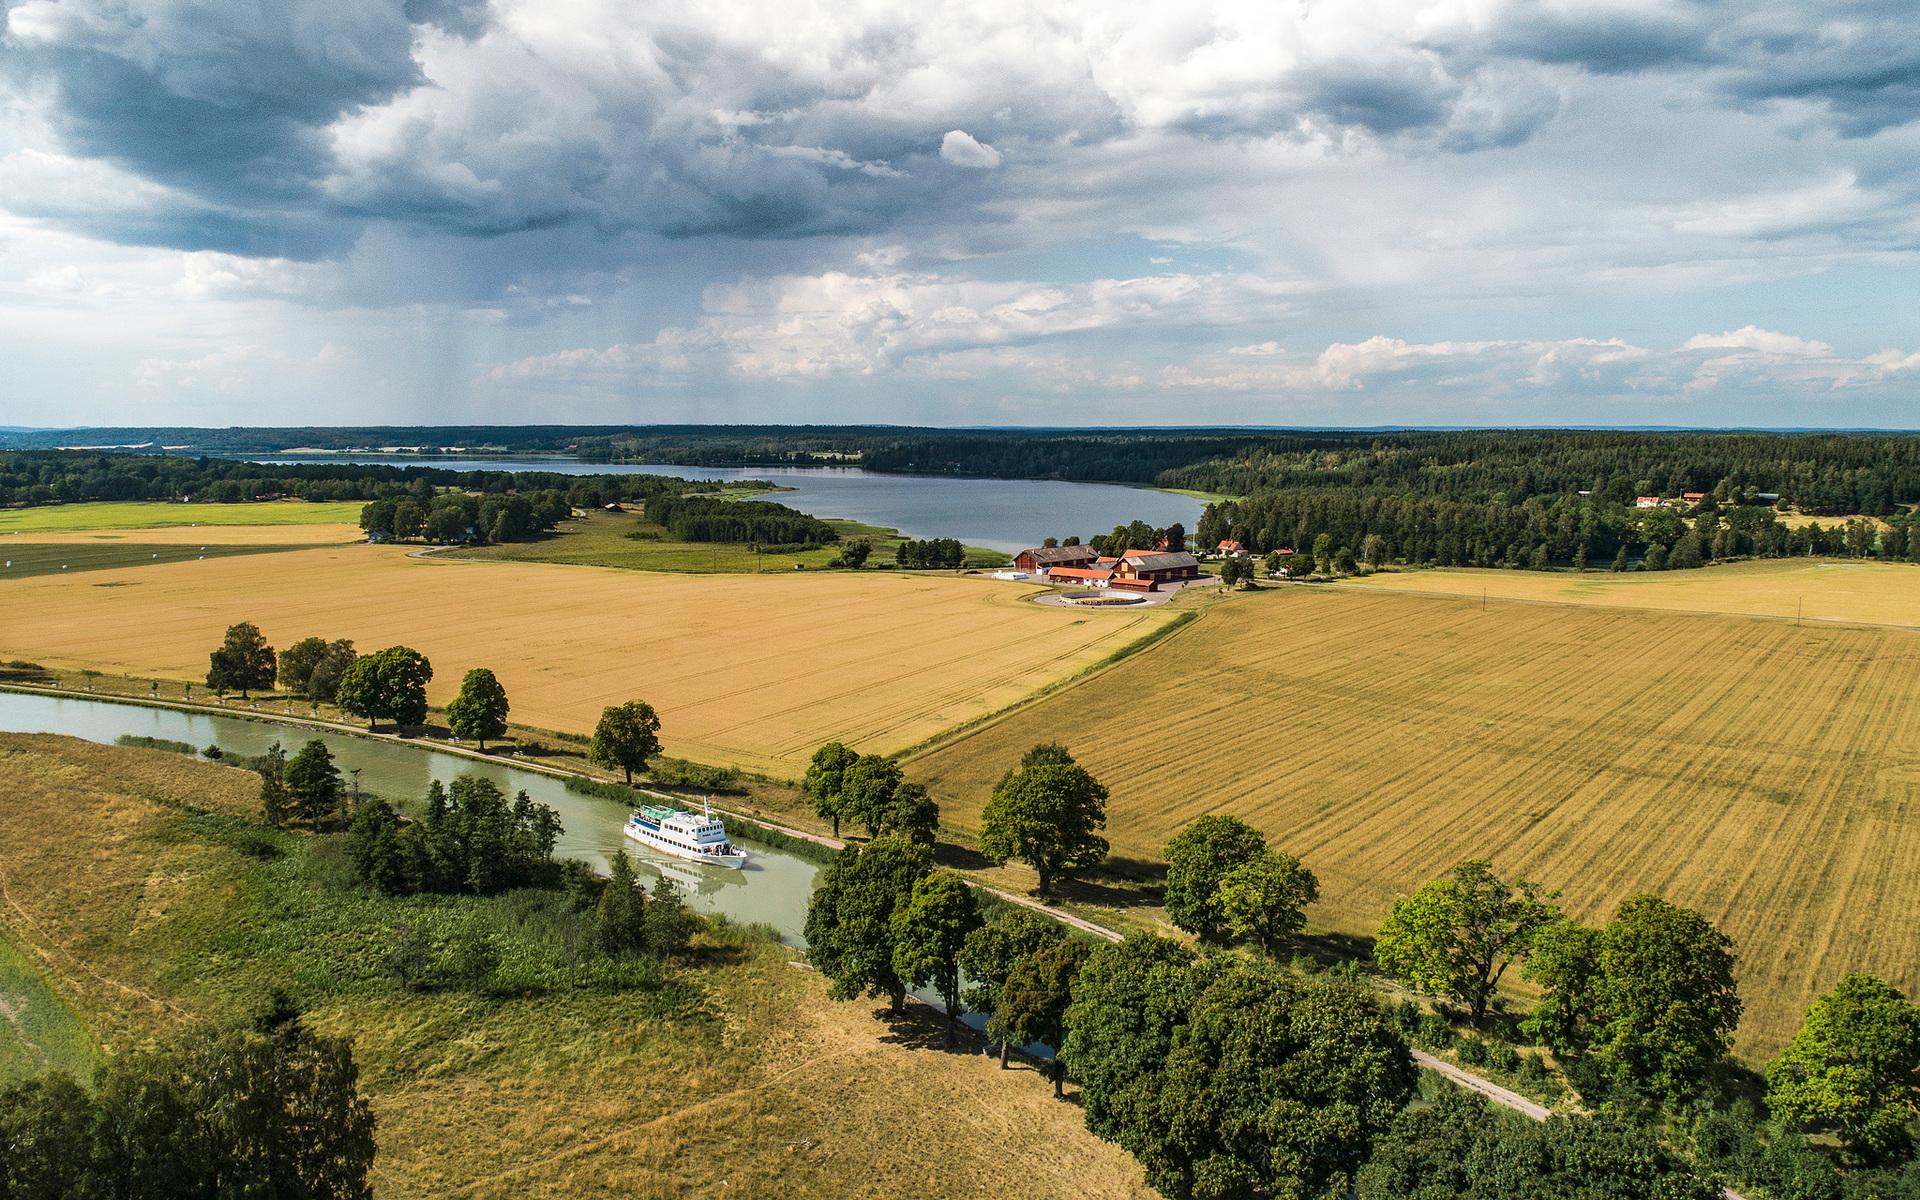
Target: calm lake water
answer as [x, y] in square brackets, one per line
[1000, 514]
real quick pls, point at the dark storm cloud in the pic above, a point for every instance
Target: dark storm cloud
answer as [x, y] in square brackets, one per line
[284, 127]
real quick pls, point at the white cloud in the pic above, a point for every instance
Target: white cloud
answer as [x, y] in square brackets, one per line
[960, 149]
[1760, 341]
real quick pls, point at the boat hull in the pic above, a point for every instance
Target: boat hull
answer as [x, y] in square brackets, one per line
[731, 861]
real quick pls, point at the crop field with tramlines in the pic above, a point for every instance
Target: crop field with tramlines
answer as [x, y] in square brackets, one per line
[1810, 589]
[744, 670]
[1764, 772]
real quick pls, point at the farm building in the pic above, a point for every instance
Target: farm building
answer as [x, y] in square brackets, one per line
[1142, 571]
[1232, 548]
[1650, 502]
[1042, 559]
[1693, 497]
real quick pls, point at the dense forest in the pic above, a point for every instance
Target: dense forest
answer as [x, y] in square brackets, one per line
[1541, 499]
[67, 476]
[706, 519]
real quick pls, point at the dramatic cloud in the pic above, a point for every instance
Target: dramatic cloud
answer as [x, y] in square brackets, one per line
[1230, 197]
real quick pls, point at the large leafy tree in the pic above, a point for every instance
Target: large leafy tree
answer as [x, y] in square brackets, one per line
[911, 813]
[1232, 1078]
[1034, 1000]
[1666, 997]
[1047, 816]
[388, 684]
[996, 948]
[244, 661]
[867, 789]
[1854, 1068]
[1265, 900]
[1564, 959]
[929, 931]
[323, 682]
[297, 662]
[626, 736]
[824, 777]
[1457, 936]
[1198, 857]
[849, 930]
[480, 710]
[1128, 1003]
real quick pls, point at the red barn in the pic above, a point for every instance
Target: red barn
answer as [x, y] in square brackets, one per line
[1042, 559]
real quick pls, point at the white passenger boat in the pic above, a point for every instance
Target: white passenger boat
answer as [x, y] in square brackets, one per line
[697, 837]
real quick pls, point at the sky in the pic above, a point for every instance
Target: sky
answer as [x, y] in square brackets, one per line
[1078, 212]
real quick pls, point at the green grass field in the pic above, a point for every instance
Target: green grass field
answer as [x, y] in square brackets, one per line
[600, 540]
[37, 1032]
[152, 514]
[18, 560]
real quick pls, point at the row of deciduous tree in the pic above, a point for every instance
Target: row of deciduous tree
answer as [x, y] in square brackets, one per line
[467, 519]
[389, 684]
[935, 552]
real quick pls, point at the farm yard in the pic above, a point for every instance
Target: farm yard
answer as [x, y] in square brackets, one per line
[1764, 773]
[1818, 589]
[752, 671]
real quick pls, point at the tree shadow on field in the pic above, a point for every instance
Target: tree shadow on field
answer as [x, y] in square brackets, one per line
[960, 858]
[1332, 949]
[711, 954]
[1119, 882]
[921, 1026]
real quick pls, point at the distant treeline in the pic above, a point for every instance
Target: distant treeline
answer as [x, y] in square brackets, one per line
[934, 552]
[1822, 473]
[1539, 532]
[706, 519]
[69, 476]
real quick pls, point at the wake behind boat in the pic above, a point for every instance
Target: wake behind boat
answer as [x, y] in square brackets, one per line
[698, 837]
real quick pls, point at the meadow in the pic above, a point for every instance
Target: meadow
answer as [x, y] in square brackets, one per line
[601, 540]
[148, 905]
[1763, 772]
[20, 559]
[148, 514]
[1815, 589]
[750, 671]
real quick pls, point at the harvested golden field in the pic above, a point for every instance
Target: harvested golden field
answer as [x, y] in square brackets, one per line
[737, 1077]
[755, 671]
[1765, 773]
[1818, 589]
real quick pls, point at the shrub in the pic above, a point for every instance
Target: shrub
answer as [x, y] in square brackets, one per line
[1473, 1052]
[1433, 1032]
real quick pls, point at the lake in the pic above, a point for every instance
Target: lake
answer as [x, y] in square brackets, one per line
[999, 514]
